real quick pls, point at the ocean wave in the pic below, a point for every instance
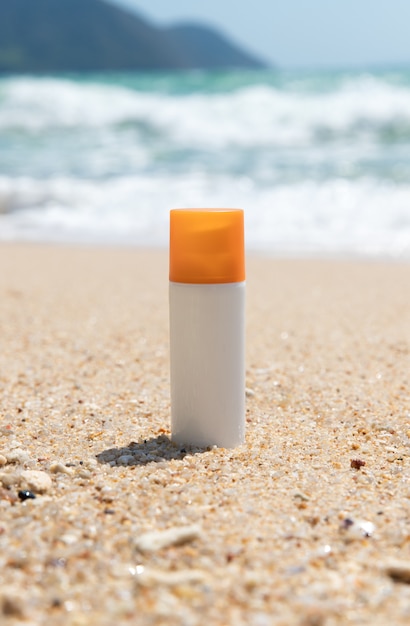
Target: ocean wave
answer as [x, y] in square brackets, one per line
[321, 163]
[366, 108]
[365, 218]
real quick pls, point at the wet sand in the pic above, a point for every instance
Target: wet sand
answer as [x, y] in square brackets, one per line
[308, 523]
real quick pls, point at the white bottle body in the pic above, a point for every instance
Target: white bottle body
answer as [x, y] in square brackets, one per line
[207, 349]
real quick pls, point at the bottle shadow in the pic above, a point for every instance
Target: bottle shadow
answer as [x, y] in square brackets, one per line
[153, 450]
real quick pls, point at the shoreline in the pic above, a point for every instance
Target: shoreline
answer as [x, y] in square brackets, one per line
[251, 253]
[305, 524]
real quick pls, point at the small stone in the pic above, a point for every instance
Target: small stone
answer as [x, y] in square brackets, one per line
[37, 481]
[3, 460]
[17, 456]
[84, 473]
[11, 604]
[249, 392]
[399, 571]
[125, 459]
[26, 495]
[6, 494]
[7, 430]
[10, 479]
[357, 463]
[346, 523]
[107, 494]
[156, 540]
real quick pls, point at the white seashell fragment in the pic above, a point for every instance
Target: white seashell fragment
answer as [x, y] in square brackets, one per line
[59, 468]
[366, 528]
[325, 551]
[156, 540]
[357, 529]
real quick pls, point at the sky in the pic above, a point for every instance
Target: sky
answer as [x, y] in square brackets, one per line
[300, 33]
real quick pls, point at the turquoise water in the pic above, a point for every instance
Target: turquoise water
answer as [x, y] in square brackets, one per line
[320, 161]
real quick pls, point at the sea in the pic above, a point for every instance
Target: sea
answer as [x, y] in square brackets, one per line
[318, 159]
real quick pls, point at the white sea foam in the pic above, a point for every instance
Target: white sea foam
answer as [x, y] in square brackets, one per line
[250, 116]
[320, 166]
[339, 216]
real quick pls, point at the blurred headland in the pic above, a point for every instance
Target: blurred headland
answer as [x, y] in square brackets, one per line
[41, 36]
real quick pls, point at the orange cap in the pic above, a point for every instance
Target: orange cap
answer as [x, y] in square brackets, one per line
[206, 246]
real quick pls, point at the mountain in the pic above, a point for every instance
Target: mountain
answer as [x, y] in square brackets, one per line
[38, 36]
[205, 47]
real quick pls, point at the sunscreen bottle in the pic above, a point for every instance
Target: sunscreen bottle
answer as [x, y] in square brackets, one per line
[207, 327]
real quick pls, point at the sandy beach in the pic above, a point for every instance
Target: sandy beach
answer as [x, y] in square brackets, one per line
[104, 521]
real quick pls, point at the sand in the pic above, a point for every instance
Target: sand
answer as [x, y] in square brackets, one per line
[308, 523]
